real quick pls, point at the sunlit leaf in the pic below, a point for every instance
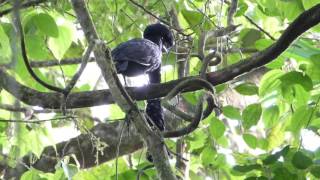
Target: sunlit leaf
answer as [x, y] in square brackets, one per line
[216, 128]
[250, 140]
[248, 89]
[46, 24]
[251, 115]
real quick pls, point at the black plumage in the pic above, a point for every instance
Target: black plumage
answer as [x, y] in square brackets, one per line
[139, 56]
[143, 56]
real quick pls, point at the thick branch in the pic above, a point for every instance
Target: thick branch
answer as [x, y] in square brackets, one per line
[29, 96]
[84, 149]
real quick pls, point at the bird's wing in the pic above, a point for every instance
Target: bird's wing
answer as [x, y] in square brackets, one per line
[141, 51]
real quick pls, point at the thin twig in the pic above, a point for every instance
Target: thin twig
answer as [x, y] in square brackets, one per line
[34, 121]
[258, 27]
[24, 5]
[159, 19]
[83, 65]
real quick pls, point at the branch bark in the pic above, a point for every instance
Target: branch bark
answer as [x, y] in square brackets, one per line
[29, 96]
[154, 141]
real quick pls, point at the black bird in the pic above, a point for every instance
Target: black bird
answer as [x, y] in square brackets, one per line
[143, 56]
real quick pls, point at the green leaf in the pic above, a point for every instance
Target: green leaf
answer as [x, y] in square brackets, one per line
[301, 96]
[315, 171]
[247, 168]
[301, 161]
[36, 47]
[5, 48]
[282, 173]
[32, 174]
[208, 156]
[116, 112]
[216, 128]
[249, 37]
[275, 136]
[192, 17]
[242, 8]
[300, 119]
[294, 77]
[315, 123]
[231, 112]
[46, 24]
[270, 116]
[271, 159]
[247, 89]
[250, 140]
[251, 115]
[307, 4]
[270, 82]
[59, 45]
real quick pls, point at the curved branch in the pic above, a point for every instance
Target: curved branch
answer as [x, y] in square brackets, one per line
[199, 110]
[29, 96]
[19, 29]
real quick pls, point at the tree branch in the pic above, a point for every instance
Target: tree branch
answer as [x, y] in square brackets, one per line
[24, 5]
[29, 96]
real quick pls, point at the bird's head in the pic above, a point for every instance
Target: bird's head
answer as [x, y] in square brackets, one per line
[159, 34]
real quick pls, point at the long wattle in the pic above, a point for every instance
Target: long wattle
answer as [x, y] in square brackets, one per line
[155, 113]
[154, 109]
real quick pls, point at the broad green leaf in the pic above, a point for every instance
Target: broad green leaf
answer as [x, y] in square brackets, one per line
[115, 112]
[272, 158]
[282, 173]
[36, 47]
[5, 48]
[197, 140]
[315, 171]
[250, 140]
[301, 96]
[270, 116]
[192, 17]
[32, 174]
[263, 43]
[195, 18]
[191, 97]
[208, 156]
[247, 168]
[301, 161]
[221, 87]
[242, 8]
[216, 128]
[231, 112]
[247, 89]
[262, 143]
[249, 37]
[46, 24]
[275, 136]
[59, 45]
[313, 67]
[291, 9]
[251, 115]
[294, 77]
[307, 4]
[315, 123]
[300, 119]
[270, 82]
